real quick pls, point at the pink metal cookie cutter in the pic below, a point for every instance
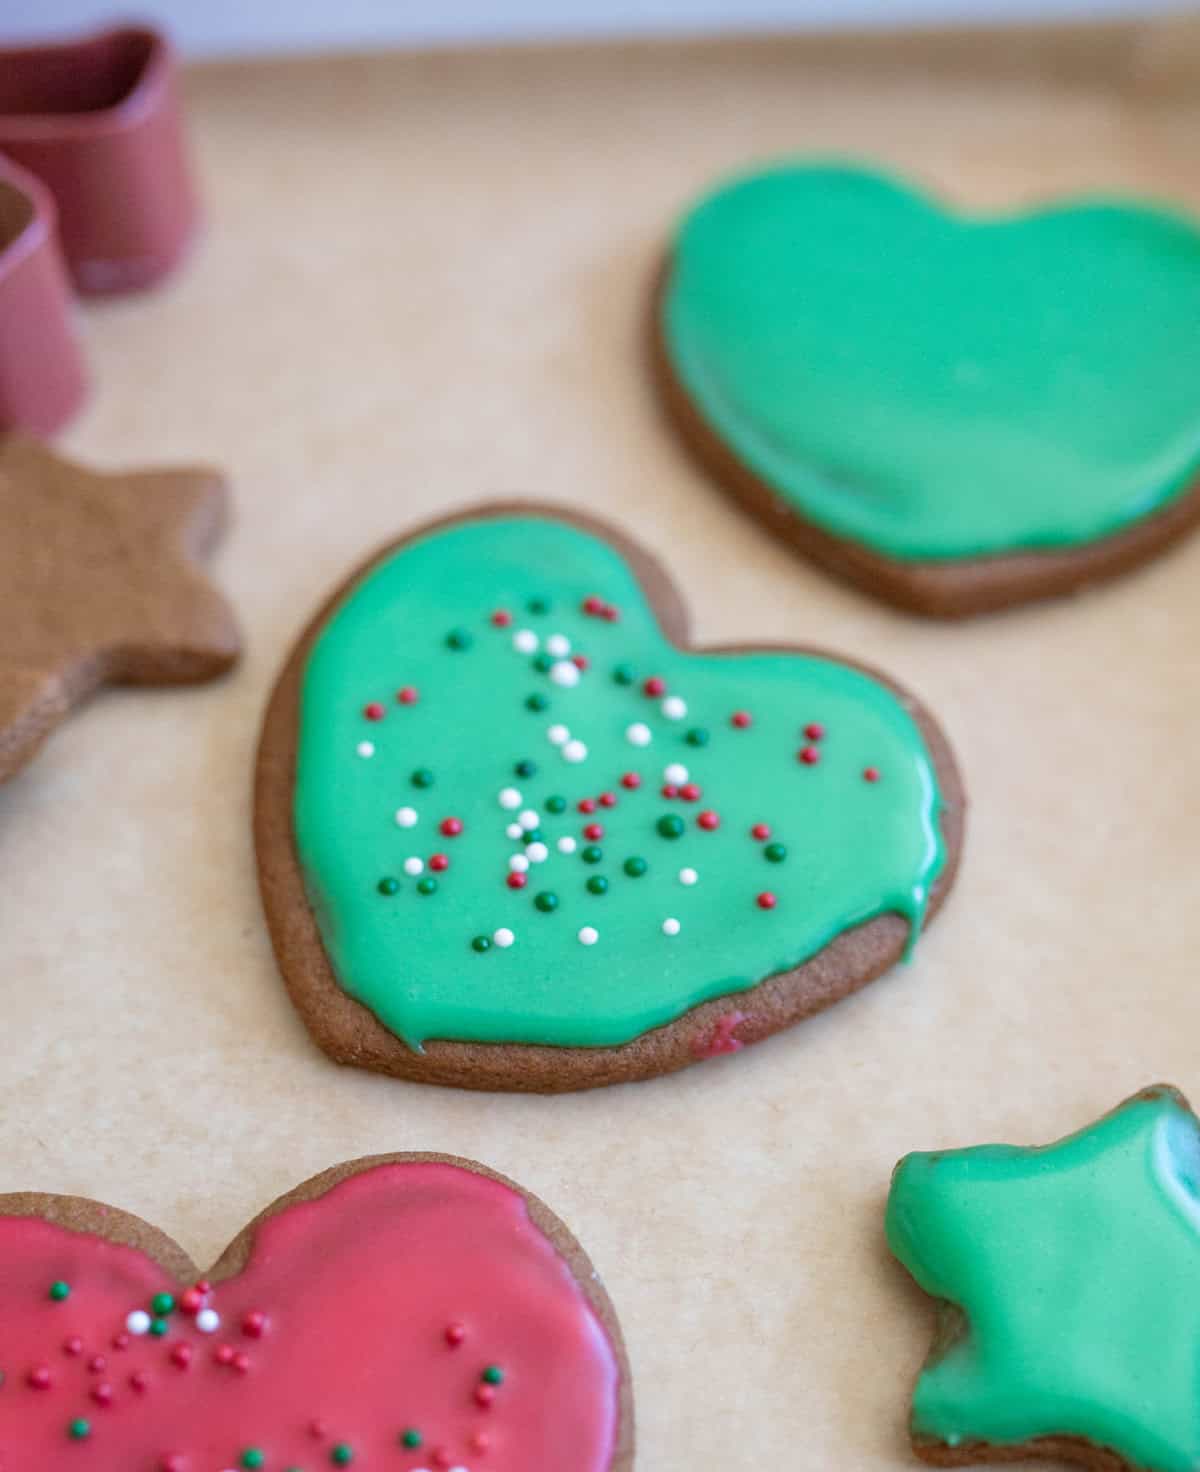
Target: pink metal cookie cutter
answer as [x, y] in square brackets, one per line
[98, 122]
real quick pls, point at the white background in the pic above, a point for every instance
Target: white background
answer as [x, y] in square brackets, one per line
[215, 27]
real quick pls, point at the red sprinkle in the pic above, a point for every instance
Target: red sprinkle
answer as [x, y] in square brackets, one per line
[442, 1457]
[708, 820]
[608, 799]
[438, 862]
[39, 1377]
[593, 831]
[485, 1395]
[655, 685]
[203, 1286]
[139, 1380]
[374, 711]
[610, 613]
[501, 618]
[97, 1364]
[580, 661]
[102, 1394]
[814, 730]
[761, 831]
[317, 1429]
[766, 900]
[241, 1362]
[407, 695]
[191, 1301]
[455, 1334]
[586, 805]
[223, 1354]
[120, 1341]
[73, 1346]
[870, 774]
[631, 780]
[721, 1039]
[450, 827]
[516, 881]
[173, 1462]
[668, 789]
[690, 792]
[809, 755]
[593, 605]
[480, 1441]
[181, 1355]
[741, 719]
[255, 1324]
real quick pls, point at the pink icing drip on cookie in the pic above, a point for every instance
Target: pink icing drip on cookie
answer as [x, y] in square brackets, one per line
[413, 1298]
[721, 1039]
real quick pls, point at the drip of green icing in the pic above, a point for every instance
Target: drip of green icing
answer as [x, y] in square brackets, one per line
[936, 386]
[1068, 1278]
[855, 849]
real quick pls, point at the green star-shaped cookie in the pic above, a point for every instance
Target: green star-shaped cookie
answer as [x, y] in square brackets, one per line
[1069, 1288]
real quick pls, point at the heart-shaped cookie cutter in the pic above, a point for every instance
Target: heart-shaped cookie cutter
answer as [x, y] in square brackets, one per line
[42, 378]
[98, 120]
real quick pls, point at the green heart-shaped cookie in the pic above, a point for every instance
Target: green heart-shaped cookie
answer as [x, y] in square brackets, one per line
[924, 393]
[534, 838]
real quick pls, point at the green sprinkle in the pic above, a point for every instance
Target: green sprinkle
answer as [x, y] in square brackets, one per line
[411, 1437]
[597, 884]
[532, 835]
[341, 1454]
[162, 1304]
[635, 867]
[493, 1375]
[623, 674]
[775, 852]
[427, 884]
[388, 886]
[253, 1457]
[60, 1291]
[422, 777]
[592, 854]
[525, 768]
[459, 639]
[546, 901]
[79, 1429]
[697, 736]
[536, 701]
[556, 804]
[542, 663]
[670, 825]
[481, 943]
[158, 1327]
[538, 605]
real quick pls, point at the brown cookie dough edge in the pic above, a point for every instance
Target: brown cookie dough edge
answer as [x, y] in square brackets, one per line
[1074, 1449]
[935, 589]
[94, 1218]
[350, 1033]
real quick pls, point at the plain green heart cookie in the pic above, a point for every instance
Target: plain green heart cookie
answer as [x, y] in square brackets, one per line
[937, 387]
[523, 815]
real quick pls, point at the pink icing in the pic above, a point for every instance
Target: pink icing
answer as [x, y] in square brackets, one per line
[374, 1309]
[721, 1039]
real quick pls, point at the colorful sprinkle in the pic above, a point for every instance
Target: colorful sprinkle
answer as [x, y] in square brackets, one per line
[809, 755]
[459, 639]
[635, 866]
[622, 675]
[741, 719]
[814, 730]
[870, 774]
[365, 749]
[528, 819]
[414, 866]
[60, 1291]
[775, 853]
[525, 768]
[575, 751]
[525, 641]
[556, 804]
[766, 900]
[690, 792]
[688, 876]
[503, 937]
[538, 605]
[589, 935]
[708, 820]
[607, 799]
[411, 1437]
[138, 1322]
[341, 1454]
[450, 827]
[654, 686]
[516, 881]
[761, 831]
[373, 711]
[638, 734]
[558, 735]
[501, 618]
[407, 695]
[388, 885]
[406, 817]
[558, 645]
[439, 863]
[546, 901]
[697, 736]
[518, 863]
[422, 777]
[674, 708]
[675, 772]
[592, 854]
[594, 831]
[208, 1321]
[542, 663]
[79, 1429]
[537, 853]
[536, 701]
[597, 884]
[509, 798]
[631, 781]
[565, 673]
[670, 826]
[670, 926]
[481, 943]
[566, 844]
[493, 1375]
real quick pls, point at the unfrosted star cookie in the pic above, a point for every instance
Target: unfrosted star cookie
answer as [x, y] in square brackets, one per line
[1065, 1275]
[514, 833]
[409, 1312]
[955, 412]
[101, 585]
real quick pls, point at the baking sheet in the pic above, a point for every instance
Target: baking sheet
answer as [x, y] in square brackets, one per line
[423, 285]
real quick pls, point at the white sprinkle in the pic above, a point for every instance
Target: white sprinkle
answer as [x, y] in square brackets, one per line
[208, 1321]
[638, 734]
[688, 876]
[567, 845]
[503, 937]
[138, 1322]
[525, 641]
[557, 735]
[565, 673]
[537, 853]
[514, 830]
[365, 748]
[528, 820]
[518, 863]
[413, 865]
[510, 797]
[575, 751]
[674, 708]
[670, 926]
[406, 817]
[589, 935]
[558, 645]
[675, 772]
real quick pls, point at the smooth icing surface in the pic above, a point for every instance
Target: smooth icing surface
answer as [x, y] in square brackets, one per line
[936, 386]
[1076, 1267]
[388, 702]
[386, 1306]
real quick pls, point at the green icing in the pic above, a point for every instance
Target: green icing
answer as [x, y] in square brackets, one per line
[1072, 1272]
[855, 848]
[935, 386]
